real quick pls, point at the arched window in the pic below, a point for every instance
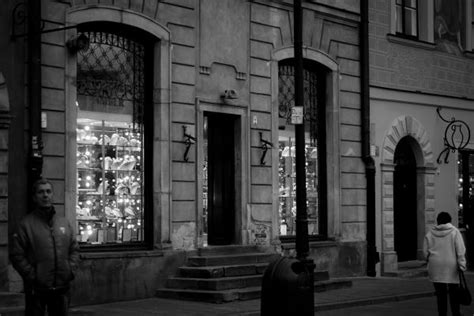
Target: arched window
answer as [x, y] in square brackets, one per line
[314, 118]
[113, 161]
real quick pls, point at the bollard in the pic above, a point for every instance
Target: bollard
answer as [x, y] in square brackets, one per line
[287, 288]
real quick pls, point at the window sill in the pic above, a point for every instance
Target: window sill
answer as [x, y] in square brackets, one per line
[289, 243]
[410, 42]
[469, 54]
[121, 254]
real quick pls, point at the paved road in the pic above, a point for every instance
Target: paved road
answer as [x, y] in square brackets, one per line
[416, 307]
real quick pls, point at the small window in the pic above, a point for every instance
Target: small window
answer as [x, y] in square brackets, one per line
[111, 137]
[406, 17]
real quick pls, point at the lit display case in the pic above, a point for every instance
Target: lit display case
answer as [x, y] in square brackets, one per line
[287, 186]
[109, 206]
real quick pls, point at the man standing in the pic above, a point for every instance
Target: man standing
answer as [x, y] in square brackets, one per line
[45, 253]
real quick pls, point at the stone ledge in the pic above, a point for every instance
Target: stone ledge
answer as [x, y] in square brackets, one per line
[120, 254]
[312, 244]
[410, 42]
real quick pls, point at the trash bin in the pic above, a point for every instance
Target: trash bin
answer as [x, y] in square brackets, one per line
[287, 288]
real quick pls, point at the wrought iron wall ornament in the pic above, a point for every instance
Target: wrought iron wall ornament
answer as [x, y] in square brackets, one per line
[188, 141]
[265, 145]
[19, 17]
[455, 128]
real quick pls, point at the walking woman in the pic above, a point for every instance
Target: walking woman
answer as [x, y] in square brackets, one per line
[444, 251]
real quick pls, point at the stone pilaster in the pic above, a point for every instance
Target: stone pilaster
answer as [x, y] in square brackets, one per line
[4, 126]
[5, 119]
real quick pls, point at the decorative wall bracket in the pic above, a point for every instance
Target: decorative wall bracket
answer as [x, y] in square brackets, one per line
[188, 141]
[455, 128]
[265, 145]
[19, 17]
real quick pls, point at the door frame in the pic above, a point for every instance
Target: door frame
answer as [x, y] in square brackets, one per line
[241, 136]
[426, 170]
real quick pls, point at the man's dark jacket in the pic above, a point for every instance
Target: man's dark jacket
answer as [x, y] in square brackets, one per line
[45, 250]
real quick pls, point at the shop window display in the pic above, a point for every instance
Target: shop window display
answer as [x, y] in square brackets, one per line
[465, 195]
[287, 187]
[286, 143]
[109, 140]
[109, 182]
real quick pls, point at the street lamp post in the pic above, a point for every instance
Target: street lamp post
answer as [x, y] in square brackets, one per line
[302, 243]
[288, 283]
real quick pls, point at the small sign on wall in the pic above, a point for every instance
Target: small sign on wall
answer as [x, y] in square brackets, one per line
[44, 120]
[297, 115]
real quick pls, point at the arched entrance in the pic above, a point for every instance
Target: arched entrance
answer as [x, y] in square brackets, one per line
[407, 208]
[405, 202]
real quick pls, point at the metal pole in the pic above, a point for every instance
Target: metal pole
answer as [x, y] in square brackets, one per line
[372, 255]
[305, 304]
[34, 88]
[302, 245]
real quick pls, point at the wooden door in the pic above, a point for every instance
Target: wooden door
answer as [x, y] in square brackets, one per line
[405, 203]
[221, 178]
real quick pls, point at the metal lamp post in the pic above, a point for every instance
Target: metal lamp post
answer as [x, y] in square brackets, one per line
[288, 283]
[302, 243]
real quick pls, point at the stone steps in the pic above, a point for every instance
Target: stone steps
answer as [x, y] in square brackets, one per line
[410, 269]
[11, 304]
[231, 259]
[229, 273]
[222, 271]
[214, 284]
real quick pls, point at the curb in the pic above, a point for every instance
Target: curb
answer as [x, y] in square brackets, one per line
[371, 301]
[355, 303]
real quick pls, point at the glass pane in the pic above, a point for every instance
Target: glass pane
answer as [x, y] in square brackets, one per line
[468, 189]
[411, 27]
[287, 184]
[109, 137]
[411, 3]
[287, 188]
[472, 8]
[109, 182]
[398, 19]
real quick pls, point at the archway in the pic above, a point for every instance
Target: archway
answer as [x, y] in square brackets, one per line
[406, 136]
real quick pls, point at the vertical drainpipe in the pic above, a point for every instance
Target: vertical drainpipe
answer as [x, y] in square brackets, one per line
[34, 89]
[372, 255]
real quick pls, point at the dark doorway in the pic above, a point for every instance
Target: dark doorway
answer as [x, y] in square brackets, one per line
[405, 203]
[219, 132]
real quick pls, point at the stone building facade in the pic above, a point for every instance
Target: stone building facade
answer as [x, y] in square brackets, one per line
[165, 129]
[421, 101]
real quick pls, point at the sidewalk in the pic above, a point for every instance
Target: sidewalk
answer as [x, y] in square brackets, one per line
[364, 291]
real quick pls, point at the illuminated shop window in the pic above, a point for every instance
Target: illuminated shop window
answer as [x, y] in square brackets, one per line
[110, 140]
[465, 195]
[314, 147]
